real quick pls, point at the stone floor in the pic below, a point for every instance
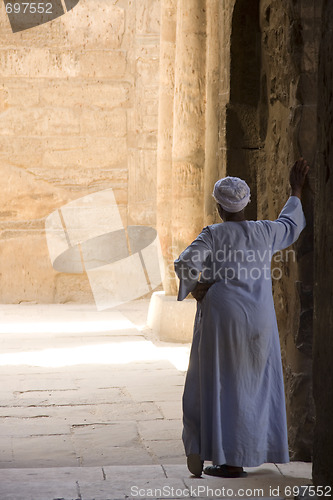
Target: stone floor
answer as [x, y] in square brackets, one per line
[90, 408]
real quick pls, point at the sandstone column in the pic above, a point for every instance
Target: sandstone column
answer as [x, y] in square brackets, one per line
[212, 109]
[188, 153]
[181, 154]
[165, 138]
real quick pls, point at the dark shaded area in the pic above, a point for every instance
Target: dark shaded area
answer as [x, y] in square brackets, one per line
[271, 121]
[323, 292]
[243, 140]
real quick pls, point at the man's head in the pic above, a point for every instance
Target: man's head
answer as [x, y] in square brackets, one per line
[230, 216]
[232, 196]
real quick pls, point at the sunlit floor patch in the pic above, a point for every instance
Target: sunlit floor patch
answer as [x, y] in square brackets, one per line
[100, 354]
[74, 326]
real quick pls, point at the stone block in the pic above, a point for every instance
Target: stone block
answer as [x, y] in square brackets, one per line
[152, 108]
[93, 23]
[142, 176]
[147, 72]
[307, 89]
[35, 450]
[78, 94]
[167, 451]
[69, 397]
[152, 430]
[4, 99]
[150, 123]
[109, 444]
[297, 470]
[147, 140]
[6, 454]
[171, 320]
[170, 410]
[18, 427]
[21, 161]
[144, 488]
[39, 121]
[133, 472]
[38, 63]
[114, 434]
[19, 93]
[102, 64]
[97, 153]
[147, 48]
[128, 411]
[39, 489]
[307, 140]
[26, 272]
[151, 393]
[103, 123]
[148, 17]
[310, 53]
[151, 94]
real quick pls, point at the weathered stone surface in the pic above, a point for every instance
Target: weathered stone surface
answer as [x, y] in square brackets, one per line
[165, 138]
[148, 17]
[89, 413]
[89, 25]
[267, 129]
[68, 92]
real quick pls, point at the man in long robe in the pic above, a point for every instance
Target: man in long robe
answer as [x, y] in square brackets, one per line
[233, 404]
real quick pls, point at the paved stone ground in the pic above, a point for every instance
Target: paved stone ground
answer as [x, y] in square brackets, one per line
[90, 408]
[148, 482]
[85, 388]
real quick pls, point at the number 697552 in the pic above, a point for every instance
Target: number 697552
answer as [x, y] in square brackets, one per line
[29, 8]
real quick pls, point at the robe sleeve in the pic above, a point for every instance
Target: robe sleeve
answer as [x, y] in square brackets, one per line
[192, 261]
[285, 230]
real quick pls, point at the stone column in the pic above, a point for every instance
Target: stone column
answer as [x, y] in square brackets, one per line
[165, 139]
[212, 109]
[181, 154]
[188, 153]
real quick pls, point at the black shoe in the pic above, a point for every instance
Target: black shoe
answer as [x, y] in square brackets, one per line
[223, 471]
[195, 464]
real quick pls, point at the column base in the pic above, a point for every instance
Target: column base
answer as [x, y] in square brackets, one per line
[170, 319]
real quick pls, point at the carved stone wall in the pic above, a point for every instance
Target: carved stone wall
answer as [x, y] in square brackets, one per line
[78, 114]
[288, 129]
[271, 121]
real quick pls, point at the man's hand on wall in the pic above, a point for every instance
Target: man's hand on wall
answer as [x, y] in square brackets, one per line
[297, 176]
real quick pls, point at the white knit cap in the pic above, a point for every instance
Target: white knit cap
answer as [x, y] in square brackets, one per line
[232, 193]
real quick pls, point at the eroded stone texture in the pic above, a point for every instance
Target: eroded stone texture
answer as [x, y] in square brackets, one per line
[165, 139]
[267, 99]
[288, 129]
[323, 320]
[188, 150]
[212, 116]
